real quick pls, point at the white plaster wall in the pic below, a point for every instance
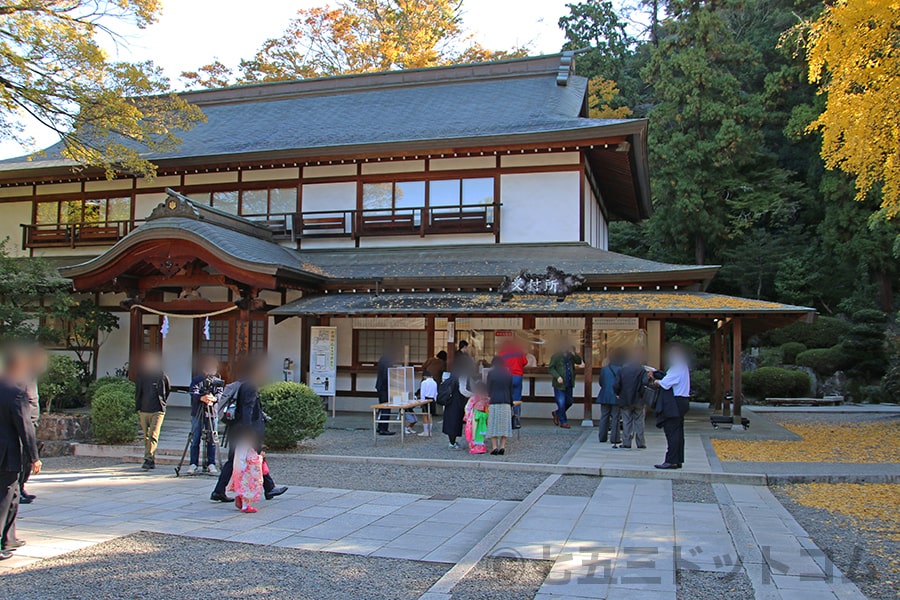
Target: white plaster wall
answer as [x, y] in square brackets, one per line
[59, 188]
[393, 166]
[329, 171]
[114, 351]
[271, 174]
[329, 196]
[15, 214]
[392, 241]
[463, 163]
[172, 181]
[19, 191]
[107, 184]
[284, 342]
[540, 207]
[178, 351]
[210, 178]
[539, 159]
[319, 243]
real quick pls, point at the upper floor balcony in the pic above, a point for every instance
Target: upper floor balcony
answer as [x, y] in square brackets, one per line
[413, 221]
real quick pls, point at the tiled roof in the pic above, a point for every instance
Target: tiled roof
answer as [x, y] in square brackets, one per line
[461, 303]
[507, 98]
[489, 261]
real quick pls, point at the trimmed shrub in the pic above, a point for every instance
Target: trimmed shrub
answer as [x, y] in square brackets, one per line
[790, 350]
[700, 385]
[60, 386]
[865, 346]
[104, 381]
[824, 361]
[296, 413]
[770, 357]
[890, 385]
[774, 382]
[112, 413]
[825, 332]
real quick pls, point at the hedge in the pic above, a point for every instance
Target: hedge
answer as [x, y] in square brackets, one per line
[60, 386]
[104, 381]
[296, 413]
[775, 382]
[824, 361]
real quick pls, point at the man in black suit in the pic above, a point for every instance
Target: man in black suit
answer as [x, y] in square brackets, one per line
[250, 422]
[18, 446]
[388, 360]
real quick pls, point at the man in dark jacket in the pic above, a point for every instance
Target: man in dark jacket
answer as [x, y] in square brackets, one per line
[151, 392]
[387, 360]
[629, 384]
[18, 446]
[250, 421]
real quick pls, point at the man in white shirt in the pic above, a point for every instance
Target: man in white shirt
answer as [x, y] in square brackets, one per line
[673, 404]
[427, 391]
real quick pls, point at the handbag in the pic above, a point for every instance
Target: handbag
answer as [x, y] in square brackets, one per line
[650, 396]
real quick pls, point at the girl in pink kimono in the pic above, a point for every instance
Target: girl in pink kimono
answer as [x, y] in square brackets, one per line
[476, 419]
[247, 477]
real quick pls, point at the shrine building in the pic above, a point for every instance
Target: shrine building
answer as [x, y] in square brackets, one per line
[416, 208]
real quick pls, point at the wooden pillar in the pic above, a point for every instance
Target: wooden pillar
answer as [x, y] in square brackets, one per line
[243, 329]
[429, 336]
[304, 347]
[451, 342]
[587, 354]
[135, 340]
[715, 370]
[736, 334]
[726, 374]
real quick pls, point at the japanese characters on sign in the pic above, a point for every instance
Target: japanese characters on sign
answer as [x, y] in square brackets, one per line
[552, 283]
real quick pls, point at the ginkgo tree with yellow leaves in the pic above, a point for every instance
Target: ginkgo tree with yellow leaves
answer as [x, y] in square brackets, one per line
[358, 36]
[853, 51]
[54, 70]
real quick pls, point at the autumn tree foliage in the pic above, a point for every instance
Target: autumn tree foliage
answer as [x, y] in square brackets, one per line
[357, 36]
[54, 70]
[853, 51]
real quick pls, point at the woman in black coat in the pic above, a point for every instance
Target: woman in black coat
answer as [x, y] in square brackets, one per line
[455, 412]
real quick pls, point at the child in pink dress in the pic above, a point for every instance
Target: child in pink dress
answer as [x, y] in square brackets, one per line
[247, 477]
[476, 419]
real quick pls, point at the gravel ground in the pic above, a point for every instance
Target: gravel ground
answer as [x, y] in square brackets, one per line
[464, 482]
[575, 485]
[168, 567]
[691, 491]
[703, 585]
[826, 417]
[538, 444]
[503, 579]
[860, 555]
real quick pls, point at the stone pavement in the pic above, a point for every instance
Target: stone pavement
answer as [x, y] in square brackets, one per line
[78, 510]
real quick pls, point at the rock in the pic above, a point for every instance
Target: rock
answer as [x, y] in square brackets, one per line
[64, 428]
[836, 385]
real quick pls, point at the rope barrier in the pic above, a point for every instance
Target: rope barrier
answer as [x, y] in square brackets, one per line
[180, 316]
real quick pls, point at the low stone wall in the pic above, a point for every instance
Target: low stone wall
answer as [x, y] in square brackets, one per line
[55, 433]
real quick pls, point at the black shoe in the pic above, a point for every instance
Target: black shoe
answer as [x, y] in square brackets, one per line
[624, 446]
[276, 492]
[147, 465]
[13, 544]
[152, 464]
[678, 466]
[387, 433]
[4, 555]
[29, 496]
[642, 447]
[666, 466]
[25, 500]
[495, 452]
[220, 497]
[502, 451]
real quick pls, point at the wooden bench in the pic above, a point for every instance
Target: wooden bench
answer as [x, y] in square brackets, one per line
[464, 220]
[826, 401]
[387, 224]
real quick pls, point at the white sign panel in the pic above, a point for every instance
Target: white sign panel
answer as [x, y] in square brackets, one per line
[607, 323]
[323, 360]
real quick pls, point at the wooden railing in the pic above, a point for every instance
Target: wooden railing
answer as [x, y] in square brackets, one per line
[419, 221]
[72, 235]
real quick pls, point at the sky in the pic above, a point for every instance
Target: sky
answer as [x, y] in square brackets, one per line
[191, 33]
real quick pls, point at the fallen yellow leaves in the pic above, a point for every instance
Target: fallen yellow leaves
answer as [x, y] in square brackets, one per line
[872, 507]
[866, 442]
